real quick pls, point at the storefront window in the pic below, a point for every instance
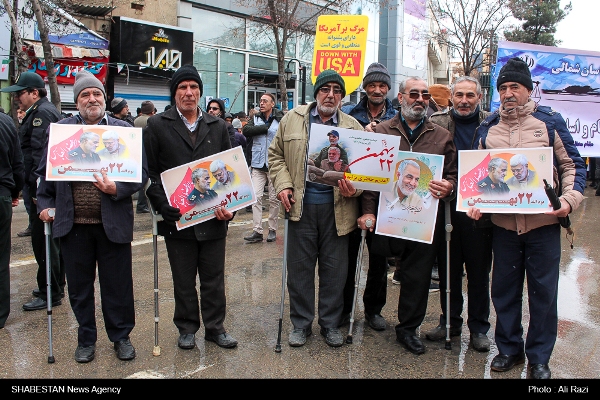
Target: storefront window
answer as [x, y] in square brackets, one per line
[231, 88]
[205, 61]
[261, 38]
[219, 29]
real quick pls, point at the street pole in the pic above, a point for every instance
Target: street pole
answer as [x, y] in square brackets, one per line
[302, 69]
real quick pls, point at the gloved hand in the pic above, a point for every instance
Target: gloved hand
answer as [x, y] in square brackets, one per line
[170, 214]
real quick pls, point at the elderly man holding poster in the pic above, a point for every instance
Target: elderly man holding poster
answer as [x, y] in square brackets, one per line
[528, 245]
[321, 216]
[94, 221]
[418, 135]
[181, 135]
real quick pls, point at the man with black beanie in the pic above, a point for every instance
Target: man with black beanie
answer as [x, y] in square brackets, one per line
[175, 137]
[528, 245]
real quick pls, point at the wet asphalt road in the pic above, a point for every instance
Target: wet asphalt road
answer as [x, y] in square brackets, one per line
[253, 283]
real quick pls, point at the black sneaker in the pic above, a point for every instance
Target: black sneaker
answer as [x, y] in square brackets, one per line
[396, 278]
[26, 232]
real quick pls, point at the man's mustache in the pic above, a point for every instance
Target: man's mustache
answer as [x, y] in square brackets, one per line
[510, 99]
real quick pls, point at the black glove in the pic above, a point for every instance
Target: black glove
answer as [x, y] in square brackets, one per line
[170, 214]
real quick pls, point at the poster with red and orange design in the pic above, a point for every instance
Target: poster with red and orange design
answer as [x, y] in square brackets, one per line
[199, 187]
[77, 152]
[504, 180]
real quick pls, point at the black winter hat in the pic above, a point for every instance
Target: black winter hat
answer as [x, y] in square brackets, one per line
[185, 73]
[377, 73]
[515, 70]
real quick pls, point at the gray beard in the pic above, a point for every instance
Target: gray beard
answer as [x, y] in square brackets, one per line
[411, 114]
[327, 111]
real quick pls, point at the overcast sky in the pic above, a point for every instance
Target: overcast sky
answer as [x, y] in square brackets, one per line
[578, 31]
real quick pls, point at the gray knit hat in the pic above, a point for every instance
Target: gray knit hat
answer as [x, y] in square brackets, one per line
[117, 104]
[327, 76]
[83, 80]
[515, 70]
[377, 73]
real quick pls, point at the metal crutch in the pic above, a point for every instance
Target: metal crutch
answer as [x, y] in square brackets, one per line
[156, 217]
[357, 272]
[448, 345]
[283, 276]
[48, 234]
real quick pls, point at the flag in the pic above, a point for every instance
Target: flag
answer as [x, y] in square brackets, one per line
[468, 182]
[59, 153]
[179, 198]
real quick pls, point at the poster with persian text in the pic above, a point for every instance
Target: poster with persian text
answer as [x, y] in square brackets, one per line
[567, 80]
[504, 180]
[77, 152]
[408, 211]
[199, 187]
[365, 158]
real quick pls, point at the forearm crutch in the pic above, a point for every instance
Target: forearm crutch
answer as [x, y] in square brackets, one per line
[357, 272]
[48, 237]
[448, 227]
[156, 217]
[283, 276]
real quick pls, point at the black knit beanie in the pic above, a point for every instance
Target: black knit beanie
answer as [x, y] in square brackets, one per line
[327, 76]
[185, 73]
[515, 70]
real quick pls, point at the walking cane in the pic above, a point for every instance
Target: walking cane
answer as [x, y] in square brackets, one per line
[156, 217]
[283, 276]
[448, 345]
[357, 272]
[47, 234]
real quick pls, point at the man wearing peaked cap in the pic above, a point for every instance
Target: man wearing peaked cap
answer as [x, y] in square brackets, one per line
[95, 219]
[178, 136]
[321, 217]
[30, 93]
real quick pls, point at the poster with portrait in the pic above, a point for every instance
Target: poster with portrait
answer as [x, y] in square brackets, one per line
[77, 152]
[409, 211]
[365, 158]
[504, 180]
[199, 187]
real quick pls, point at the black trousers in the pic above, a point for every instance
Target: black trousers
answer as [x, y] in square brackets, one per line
[81, 248]
[415, 277]
[374, 296]
[471, 250]
[57, 266]
[190, 259]
[5, 224]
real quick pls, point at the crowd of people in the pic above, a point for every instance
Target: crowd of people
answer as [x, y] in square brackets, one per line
[325, 220]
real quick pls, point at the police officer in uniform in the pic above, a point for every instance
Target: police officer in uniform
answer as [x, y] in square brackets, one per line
[31, 96]
[493, 184]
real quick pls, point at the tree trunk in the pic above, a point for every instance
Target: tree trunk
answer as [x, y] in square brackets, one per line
[48, 59]
[22, 60]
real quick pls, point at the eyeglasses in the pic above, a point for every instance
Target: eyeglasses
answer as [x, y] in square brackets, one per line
[214, 109]
[327, 89]
[415, 95]
[20, 93]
